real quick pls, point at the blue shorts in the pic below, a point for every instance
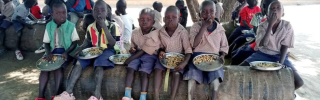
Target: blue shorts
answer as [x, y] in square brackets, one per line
[5, 24]
[260, 56]
[69, 58]
[201, 76]
[17, 25]
[241, 54]
[145, 63]
[101, 61]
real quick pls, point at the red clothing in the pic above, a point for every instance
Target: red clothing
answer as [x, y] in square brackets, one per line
[247, 14]
[252, 45]
[35, 10]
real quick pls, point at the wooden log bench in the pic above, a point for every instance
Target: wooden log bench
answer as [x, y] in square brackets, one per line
[240, 83]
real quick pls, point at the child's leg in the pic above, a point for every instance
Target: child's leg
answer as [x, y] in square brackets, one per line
[298, 82]
[157, 83]
[98, 79]
[129, 80]
[175, 84]
[76, 72]
[144, 85]
[19, 34]
[58, 74]
[43, 80]
[2, 40]
[191, 86]
[214, 85]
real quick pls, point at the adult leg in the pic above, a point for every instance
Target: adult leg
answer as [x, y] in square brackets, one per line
[214, 85]
[98, 79]
[75, 74]
[175, 85]
[191, 86]
[157, 83]
[58, 74]
[43, 80]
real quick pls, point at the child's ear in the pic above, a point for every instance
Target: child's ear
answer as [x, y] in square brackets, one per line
[282, 14]
[180, 19]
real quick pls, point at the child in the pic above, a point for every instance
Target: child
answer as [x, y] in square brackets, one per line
[219, 10]
[183, 12]
[237, 8]
[246, 15]
[145, 42]
[21, 13]
[5, 21]
[242, 53]
[107, 38]
[274, 37]
[127, 21]
[60, 37]
[206, 37]
[77, 8]
[174, 38]
[157, 6]
[36, 12]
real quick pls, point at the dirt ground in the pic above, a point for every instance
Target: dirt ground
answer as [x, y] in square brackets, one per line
[19, 79]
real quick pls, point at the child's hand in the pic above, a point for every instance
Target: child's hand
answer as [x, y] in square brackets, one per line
[272, 19]
[49, 57]
[132, 50]
[221, 59]
[101, 22]
[29, 26]
[181, 66]
[64, 56]
[162, 55]
[207, 22]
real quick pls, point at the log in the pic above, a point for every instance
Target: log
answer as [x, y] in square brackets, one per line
[239, 82]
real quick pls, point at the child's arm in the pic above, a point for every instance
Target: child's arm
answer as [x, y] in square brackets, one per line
[48, 51]
[245, 23]
[184, 62]
[70, 49]
[283, 53]
[203, 29]
[110, 38]
[271, 20]
[138, 54]
[224, 47]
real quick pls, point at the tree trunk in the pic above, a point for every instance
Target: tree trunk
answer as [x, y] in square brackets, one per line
[228, 8]
[193, 6]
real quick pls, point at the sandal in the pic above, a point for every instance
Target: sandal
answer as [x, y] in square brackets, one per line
[41, 99]
[126, 98]
[94, 98]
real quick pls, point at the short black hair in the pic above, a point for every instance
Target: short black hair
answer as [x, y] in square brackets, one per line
[156, 4]
[100, 2]
[173, 8]
[120, 2]
[57, 5]
[179, 2]
[148, 11]
[206, 3]
[88, 19]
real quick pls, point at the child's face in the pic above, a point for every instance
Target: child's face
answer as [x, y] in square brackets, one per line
[207, 12]
[145, 21]
[100, 11]
[180, 5]
[252, 3]
[171, 19]
[277, 9]
[59, 14]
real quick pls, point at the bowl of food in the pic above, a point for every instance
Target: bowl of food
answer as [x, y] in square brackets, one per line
[265, 65]
[90, 53]
[55, 63]
[207, 62]
[172, 60]
[119, 58]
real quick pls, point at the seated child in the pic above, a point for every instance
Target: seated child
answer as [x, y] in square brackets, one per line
[77, 8]
[7, 10]
[144, 45]
[219, 10]
[206, 37]
[274, 37]
[157, 6]
[107, 38]
[242, 53]
[60, 37]
[246, 15]
[183, 12]
[36, 11]
[127, 21]
[19, 19]
[174, 38]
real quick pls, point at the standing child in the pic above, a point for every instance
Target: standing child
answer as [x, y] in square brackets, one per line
[274, 37]
[246, 15]
[157, 6]
[206, 37]
[145, 42]
[60, 37]
[21, 13]
[7, 10]
[183, 12]
[128, 23]
[174, 38]
[99, 34]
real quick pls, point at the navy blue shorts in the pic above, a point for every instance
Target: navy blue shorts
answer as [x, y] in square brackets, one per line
[145, 63]
[101, 61]
[17, 26]
[5, 24]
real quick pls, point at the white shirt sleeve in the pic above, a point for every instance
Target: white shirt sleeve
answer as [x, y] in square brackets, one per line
[46, 38]
[75, 36]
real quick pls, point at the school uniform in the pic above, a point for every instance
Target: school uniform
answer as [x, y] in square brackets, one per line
[7, 10]
[211, 43]
[99, 39]
[178, 43]
[283, 35]
[61, 38]
[23, 12]
[157, 19]
[149, 43]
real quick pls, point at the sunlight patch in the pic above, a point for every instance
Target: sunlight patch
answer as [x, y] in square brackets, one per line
[24, 75]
